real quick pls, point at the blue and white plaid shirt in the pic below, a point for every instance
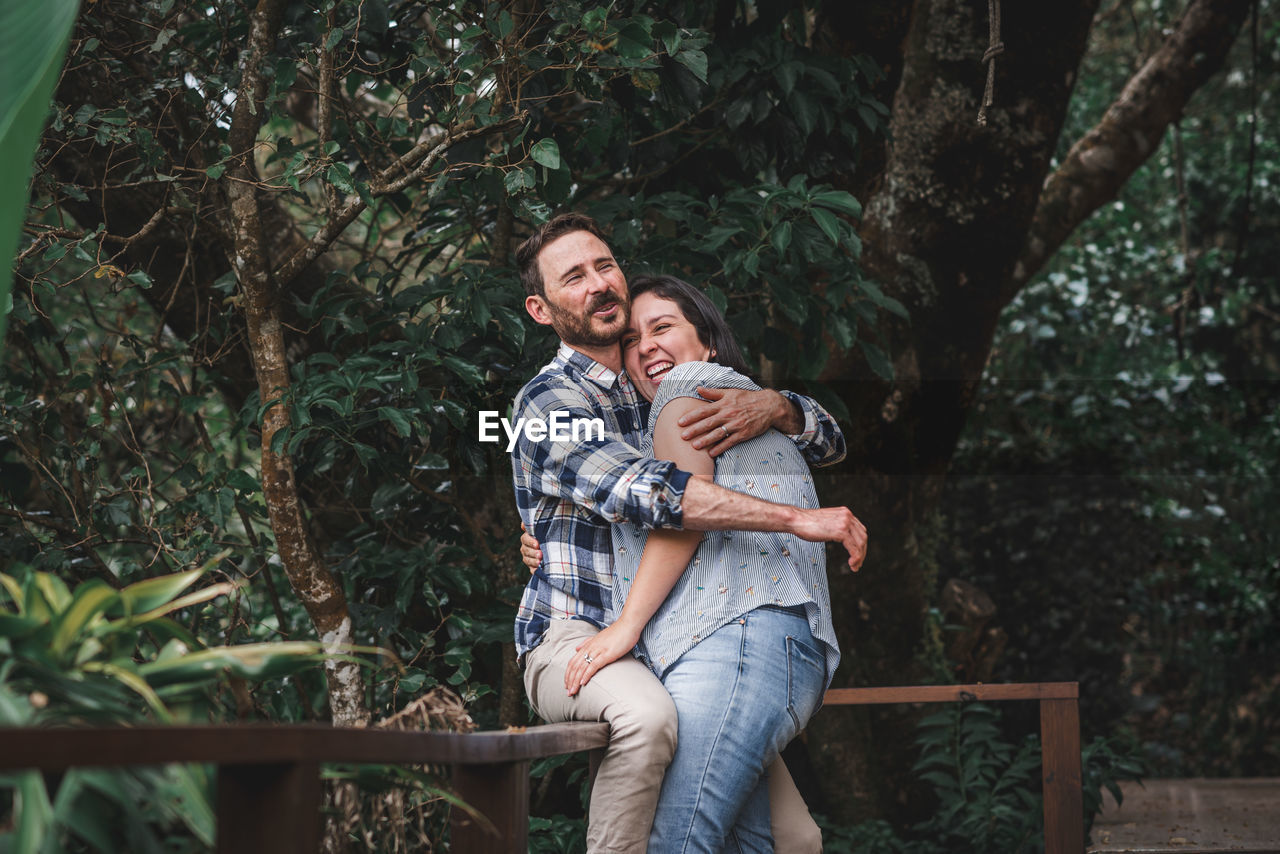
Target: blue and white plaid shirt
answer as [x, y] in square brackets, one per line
[570, 492]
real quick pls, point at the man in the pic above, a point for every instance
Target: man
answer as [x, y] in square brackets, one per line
[569, 493]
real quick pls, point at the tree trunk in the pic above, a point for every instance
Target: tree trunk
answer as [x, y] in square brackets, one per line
[953, 228]
[942, 230]
[310, 576]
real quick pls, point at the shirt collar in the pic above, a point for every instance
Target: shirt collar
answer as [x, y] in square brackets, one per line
[590, 368]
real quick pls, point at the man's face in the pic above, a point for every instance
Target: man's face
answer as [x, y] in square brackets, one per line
[586, 293]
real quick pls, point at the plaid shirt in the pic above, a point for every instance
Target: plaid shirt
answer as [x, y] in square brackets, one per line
[570, 492]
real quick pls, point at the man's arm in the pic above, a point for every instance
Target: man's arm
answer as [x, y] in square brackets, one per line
[735, 415]
[597, 472]
[708, 507]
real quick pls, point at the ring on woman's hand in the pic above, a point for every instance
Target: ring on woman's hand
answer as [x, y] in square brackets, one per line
[587, 657]
[724, 431]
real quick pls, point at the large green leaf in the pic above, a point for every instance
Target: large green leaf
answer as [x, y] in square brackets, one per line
[89, 601]
[153, 593]
[255, 661]
[33, 813]
[33, 41]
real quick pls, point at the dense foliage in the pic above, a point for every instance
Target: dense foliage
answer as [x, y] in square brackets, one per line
[401, 149]
[1115, 493]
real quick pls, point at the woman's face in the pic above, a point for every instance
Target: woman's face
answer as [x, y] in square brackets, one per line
[657, 339]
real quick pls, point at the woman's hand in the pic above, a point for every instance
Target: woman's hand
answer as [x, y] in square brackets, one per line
[529, 551]
[598, 652]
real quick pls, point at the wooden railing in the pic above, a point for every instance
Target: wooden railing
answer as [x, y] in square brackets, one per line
[268, 777]
[1059, 742]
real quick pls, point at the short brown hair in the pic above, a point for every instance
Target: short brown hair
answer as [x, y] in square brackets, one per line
[557, 226]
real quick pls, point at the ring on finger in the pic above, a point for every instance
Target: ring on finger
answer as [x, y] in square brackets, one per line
[724, 431]
[587, 656]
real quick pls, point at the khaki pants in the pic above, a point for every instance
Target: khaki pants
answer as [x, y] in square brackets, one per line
[642, 740]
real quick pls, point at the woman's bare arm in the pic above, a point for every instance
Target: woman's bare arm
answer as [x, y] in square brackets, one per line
[666, 556]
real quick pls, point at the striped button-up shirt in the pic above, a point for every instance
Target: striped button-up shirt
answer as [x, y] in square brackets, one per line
[569, 492]
[732, 572]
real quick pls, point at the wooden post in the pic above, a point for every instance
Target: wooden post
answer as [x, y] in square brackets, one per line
[269, 808]
[499, 792]
[1063, 804]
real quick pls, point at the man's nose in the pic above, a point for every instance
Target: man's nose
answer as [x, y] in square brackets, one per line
[597, 283]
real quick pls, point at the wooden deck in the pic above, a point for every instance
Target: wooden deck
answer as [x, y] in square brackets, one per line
[1191, 816]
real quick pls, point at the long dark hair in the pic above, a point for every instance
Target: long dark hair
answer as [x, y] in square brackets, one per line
[710, 324]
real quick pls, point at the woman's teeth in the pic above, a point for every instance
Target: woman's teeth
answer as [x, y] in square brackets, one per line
[659, 368]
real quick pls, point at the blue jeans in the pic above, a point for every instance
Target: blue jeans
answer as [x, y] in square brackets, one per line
[741, 694]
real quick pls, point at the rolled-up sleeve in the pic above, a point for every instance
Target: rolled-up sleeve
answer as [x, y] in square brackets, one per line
[599, 473]
[820, 442]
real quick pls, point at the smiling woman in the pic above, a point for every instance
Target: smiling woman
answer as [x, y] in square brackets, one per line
[672, 323]
[692, 605]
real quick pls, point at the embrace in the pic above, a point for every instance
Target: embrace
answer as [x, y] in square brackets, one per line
[706, 653]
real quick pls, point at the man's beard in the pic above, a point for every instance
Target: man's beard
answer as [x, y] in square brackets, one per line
[577, 331]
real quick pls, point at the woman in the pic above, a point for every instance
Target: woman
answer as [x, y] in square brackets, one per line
[736, 624]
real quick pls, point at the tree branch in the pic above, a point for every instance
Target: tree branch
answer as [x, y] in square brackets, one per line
[1102, 160]
[413, 166]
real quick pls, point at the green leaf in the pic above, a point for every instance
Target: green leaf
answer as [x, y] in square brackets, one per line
[877, 359]
[50, 590]
[33, 813]
[148, 595]
[695, 61]
[780, 236]
[13, 588]
[432, 462]
[90, 600]
[844, 332]
[464, 369]
[15, 627]
[546, 153]
[786, 74]
[257, 661]
[634, 41]
[132, 680]
[838, 200]
[805, 110]
[33, 43]
[340, 176]
[828, 223]
[397, 419]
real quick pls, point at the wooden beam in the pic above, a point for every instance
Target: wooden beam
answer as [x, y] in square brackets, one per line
[1063, 803]
[261, 744]
[499, 792]
[951, 693]
[269, 809]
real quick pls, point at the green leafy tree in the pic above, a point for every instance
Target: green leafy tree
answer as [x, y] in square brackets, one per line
[265, 286]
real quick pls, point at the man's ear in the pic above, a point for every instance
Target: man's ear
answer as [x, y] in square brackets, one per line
[537, 309]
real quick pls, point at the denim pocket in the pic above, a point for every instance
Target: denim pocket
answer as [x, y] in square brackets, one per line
[806, 673]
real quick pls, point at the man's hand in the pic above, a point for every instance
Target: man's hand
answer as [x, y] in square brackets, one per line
[833, 524]
[599, 651]
[529, 551]
[735, 415]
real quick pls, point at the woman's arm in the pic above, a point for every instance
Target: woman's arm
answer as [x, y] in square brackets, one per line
[666, 556]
